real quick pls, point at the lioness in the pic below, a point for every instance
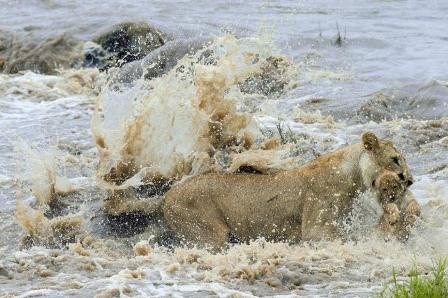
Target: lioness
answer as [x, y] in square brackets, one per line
[303, 203]
[400, 207]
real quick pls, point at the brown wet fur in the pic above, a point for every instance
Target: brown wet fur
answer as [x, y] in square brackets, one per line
[300, 204]
[401, 210]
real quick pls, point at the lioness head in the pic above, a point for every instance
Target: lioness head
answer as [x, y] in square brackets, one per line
[385, 156]
[389, 187]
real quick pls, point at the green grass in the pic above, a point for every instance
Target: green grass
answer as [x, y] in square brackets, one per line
[434, 285]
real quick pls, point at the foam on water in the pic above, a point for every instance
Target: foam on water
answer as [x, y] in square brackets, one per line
[171, 127]
[37, 87]
[38, 169]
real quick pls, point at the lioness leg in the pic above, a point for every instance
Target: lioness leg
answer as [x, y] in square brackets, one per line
[389, 219]
[295, 234]
[411, 213]
[319, 225]
[214, 235]
[317, 233]
[198, 226]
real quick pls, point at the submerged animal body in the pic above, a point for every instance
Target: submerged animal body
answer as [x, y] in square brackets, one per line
[304, 203]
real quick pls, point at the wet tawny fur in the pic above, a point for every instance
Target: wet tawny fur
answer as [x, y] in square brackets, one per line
[303, 203]
[401, 209]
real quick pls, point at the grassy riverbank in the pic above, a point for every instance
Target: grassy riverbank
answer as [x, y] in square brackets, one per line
[419, 285]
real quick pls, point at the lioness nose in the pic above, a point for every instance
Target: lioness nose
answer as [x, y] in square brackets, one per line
[410, 182]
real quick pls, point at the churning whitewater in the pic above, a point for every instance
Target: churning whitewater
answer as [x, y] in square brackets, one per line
[100, 117]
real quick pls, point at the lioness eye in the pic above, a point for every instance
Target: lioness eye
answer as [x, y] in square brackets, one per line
[396, 160]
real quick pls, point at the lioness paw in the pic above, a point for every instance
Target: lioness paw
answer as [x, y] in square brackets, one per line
[413, 208]
[392, 213]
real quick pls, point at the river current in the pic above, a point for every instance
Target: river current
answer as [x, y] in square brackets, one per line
[352, 66]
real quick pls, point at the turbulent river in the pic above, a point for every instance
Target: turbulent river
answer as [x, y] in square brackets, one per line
[312, 74]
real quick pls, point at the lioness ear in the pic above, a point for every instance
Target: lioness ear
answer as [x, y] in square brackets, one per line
[370, 141]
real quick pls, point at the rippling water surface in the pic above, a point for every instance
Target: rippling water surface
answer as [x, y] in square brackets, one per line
[387, 74]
